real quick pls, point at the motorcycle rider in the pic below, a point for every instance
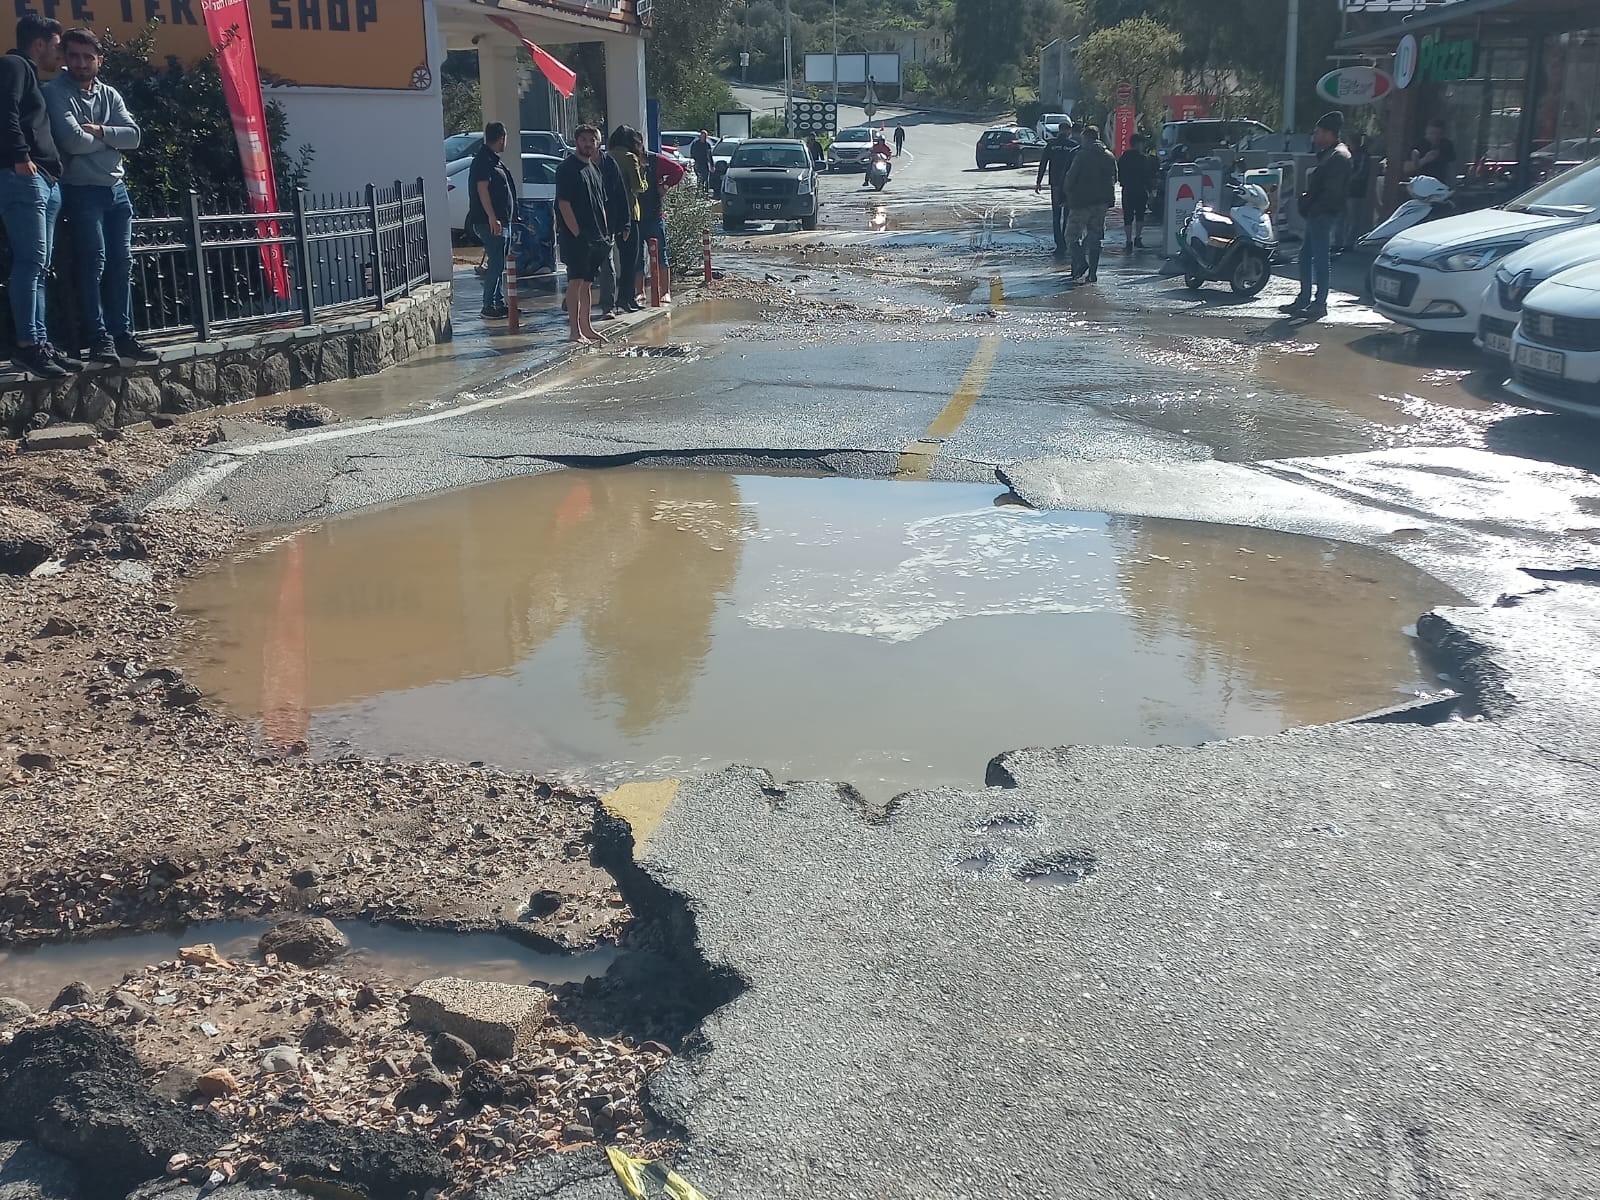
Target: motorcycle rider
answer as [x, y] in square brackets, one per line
[1056, 161]
[1322, 205]
[880, 148]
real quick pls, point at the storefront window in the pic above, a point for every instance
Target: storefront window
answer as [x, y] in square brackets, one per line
[1483, 115]
[1566, 127]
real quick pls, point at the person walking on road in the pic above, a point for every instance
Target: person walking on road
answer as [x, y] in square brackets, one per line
[490, 193]
[1055, 163]
[583, 236]
[92, 127]
[30, 192]
[700, 154]
[1091, 190]
[899, 138]
[819, 157]
[1322, 205]
[1137, 175]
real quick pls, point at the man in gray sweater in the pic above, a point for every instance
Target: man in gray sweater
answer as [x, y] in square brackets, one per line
[92, 127]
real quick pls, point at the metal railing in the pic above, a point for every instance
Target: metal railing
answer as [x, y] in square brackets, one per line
[202, 272]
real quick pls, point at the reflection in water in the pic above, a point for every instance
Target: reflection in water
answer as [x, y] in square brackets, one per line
[637, 623]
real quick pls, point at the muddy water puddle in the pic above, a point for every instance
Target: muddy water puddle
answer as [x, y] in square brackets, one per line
[35, 975]
[638, 623]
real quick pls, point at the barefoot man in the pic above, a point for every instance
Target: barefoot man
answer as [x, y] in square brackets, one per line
[584, 239]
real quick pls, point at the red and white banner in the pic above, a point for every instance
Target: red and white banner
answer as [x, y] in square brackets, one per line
[562, 77]
[228, 24]
[1122, 125]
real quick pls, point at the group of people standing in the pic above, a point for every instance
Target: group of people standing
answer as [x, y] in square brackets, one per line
[1083, 175]
[609, 208]
[64, 141]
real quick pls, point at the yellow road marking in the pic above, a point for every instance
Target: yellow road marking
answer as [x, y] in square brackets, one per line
[916, 460]
[641, 805]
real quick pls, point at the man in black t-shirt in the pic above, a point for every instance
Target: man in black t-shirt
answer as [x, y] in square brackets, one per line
[1436, 155]
[581, 229]
[489, 207]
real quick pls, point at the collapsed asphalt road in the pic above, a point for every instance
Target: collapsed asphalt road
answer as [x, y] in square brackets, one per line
[1344, 961]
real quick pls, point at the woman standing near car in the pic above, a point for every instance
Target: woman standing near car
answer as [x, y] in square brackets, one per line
[630, 267]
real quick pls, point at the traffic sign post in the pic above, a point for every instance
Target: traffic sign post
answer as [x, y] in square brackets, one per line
[820, 117]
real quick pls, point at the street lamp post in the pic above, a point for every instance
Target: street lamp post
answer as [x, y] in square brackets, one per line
[788, 70]
[1291, 63]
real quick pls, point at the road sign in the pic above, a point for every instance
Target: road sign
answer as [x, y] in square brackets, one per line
[813, 116]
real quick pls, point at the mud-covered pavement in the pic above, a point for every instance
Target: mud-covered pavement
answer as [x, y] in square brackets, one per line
[1334, 959]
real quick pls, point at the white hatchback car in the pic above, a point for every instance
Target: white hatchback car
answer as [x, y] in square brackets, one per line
[538, 183]
[1555, 353]
[1431, 276]
[1523, 271]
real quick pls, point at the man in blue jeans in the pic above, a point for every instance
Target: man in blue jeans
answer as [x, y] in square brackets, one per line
[1322, 205]
[30, 195]
[92, 127]
[491, 197]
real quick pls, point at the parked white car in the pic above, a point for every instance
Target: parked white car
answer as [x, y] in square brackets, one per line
[1432, 276]
[538, 183]
[1523, 271]
[1049, 123]
[1555, 352]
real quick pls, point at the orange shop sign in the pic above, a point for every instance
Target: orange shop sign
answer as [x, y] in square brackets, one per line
[307, 43]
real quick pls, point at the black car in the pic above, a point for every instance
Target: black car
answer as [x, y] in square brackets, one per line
[1012, 145]
[770, 179]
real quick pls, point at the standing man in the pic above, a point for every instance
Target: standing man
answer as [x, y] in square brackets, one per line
[899, 138]
[581, 228]
[1322, 205]
[491, 195]
[1091, 190]
[30, 192]
[92, 127]
[700, 153]
[1436, 155]
[1355, 210]
[1137, 175]
[619, 220]
[1056, 162]
[660, 173]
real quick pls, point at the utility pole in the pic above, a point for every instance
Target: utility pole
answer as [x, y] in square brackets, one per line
[788, 70]
[1291, 62]
[835, 55]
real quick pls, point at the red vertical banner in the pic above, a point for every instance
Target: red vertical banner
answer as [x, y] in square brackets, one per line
[1122, 125]
[228, 24]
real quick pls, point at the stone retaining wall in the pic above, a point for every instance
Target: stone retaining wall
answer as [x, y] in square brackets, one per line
[191, 376]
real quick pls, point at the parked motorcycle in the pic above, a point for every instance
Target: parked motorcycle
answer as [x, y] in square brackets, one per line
[1234, 245]
[1430, 200]
[878, 171]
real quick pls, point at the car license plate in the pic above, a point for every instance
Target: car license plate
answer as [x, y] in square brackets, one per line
[1387, 287]
[1497, 343]
[766, 206]
[1551, 362]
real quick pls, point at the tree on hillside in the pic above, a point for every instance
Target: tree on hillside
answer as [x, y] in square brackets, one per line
[988, 40]
[1139, 52]
[678, 59]
[1103, 14]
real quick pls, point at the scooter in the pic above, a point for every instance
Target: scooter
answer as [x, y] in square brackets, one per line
[878, 171]
[1236, 245]
[1430, 200]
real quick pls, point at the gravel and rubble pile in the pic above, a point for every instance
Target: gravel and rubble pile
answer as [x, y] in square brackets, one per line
[257, 1057]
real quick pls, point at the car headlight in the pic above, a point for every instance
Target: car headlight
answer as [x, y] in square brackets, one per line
[730, 187]
[1470, 260]
[806, 185]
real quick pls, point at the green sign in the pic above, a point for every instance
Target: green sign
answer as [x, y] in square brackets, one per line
[1440, 61]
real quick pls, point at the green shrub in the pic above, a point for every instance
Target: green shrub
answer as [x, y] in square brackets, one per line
[1029, 112]
[767, 126]
[688, 214]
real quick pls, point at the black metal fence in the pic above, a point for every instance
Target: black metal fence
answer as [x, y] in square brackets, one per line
[204, 272]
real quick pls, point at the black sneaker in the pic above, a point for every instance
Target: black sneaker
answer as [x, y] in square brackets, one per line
[1314, 311]
[36, 360]
[65, 361]
[129, 347]
[104, 350]
[1294, 308]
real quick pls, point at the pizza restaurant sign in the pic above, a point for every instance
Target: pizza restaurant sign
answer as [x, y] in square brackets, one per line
[305, 43]
[1433, 60]
[1354, 85]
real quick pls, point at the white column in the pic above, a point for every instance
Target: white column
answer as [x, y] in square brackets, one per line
[502, 95]
[625, 86]
[440, 259]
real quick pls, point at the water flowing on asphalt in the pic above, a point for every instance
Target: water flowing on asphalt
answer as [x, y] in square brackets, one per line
[633, 623]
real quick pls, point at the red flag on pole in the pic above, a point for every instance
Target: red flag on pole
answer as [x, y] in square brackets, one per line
[562, 77]
[228, 24]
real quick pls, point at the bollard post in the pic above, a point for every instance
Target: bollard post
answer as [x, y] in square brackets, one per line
[705, 247]
[654, 273]
[513, 312]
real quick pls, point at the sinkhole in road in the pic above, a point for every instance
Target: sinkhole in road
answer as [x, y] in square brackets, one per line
[36, 974]
[632, 623]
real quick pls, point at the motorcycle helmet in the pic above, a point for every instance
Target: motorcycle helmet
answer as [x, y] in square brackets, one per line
[1255, 197]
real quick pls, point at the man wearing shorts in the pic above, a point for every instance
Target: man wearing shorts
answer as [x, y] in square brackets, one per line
[581, 230]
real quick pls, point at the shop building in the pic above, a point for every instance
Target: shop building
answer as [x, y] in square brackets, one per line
[1516, 82]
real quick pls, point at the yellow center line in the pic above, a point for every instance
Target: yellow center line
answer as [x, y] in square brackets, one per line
[916, 460]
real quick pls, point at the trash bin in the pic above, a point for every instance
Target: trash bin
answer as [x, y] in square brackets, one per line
[536, 238]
